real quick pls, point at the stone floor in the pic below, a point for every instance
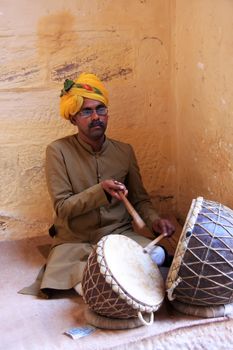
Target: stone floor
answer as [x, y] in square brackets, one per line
[30, 323]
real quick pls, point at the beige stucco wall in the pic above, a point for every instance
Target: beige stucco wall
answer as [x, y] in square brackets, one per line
[203, 87]
[127, 43]
[168, 65]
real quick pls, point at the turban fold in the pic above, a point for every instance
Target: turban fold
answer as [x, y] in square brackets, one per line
[87, 85]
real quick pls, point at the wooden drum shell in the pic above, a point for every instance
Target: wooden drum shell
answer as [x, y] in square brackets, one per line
[105, 295]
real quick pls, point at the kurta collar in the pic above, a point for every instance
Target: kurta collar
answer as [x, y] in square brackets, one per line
[88, 148]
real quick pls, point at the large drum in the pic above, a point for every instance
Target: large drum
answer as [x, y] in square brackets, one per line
[202, 269]
[120, 281]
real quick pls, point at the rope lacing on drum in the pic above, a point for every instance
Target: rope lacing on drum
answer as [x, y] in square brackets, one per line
[170, 290]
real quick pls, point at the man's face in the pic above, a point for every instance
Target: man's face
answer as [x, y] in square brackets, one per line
[91, 120]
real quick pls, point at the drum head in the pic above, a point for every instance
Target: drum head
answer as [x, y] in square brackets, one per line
[133, 270]
[182, 245]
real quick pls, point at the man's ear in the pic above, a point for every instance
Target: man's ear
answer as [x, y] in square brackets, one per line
[73, 120]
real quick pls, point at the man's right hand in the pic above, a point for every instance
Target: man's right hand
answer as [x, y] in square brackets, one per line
[113, 187]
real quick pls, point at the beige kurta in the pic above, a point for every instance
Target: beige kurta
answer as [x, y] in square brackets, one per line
[83, 213]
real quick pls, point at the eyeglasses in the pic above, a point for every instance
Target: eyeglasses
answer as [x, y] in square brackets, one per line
[88, 112]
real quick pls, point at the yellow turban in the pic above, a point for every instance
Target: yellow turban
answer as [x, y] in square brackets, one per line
[72, 95]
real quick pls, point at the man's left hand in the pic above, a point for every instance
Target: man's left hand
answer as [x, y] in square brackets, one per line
[163, 226]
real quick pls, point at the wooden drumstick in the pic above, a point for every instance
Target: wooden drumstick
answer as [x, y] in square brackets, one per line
[152, 243]
[140, 224]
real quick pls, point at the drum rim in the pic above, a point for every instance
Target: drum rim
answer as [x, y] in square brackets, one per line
[115, 285]
[173, 278]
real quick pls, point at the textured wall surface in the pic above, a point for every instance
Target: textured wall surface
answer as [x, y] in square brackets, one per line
[127, 43]
[168, 66]
[203, 77]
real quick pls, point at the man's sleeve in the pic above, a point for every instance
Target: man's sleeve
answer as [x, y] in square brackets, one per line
[66, 203]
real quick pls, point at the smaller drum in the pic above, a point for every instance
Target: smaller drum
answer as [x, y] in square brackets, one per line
[202, 269]
[121, 281]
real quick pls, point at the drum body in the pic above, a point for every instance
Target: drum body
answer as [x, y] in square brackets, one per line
[202, 269]
[120, 280]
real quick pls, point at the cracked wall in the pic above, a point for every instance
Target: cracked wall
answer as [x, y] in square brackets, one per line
[127, 44]
[168, 67]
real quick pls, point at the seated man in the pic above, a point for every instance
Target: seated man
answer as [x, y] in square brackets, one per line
[85, 173]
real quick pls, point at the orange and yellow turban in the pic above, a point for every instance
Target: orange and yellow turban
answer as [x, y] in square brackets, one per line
[87, 85]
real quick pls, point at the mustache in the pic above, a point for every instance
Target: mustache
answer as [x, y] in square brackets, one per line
[94, 123]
